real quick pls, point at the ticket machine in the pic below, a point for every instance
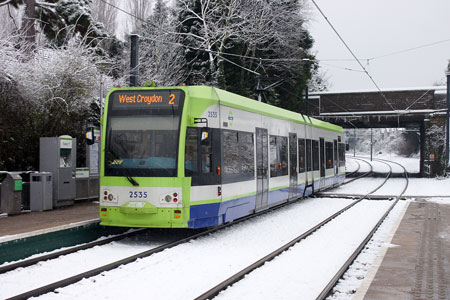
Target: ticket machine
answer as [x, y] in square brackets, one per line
[58, 156]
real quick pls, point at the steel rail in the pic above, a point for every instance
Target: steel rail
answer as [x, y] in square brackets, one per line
[211, 293]
[73, 279]
[31, 261]
[357, 169]
[332, 283]
[362, 175]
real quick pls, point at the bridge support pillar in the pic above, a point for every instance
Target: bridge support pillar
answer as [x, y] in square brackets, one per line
[422, 151]
[432, 155]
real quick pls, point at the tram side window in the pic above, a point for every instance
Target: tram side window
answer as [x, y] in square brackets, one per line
[308, 155]
[247, 152]
[301, 156]
[190, 160]
[335, 151]
[273, 156]
[282, 142]
[329, 155]
[230, 152]
[238, 156]
[278, 155]
[341, 154]
[316, 162]
[206, 154]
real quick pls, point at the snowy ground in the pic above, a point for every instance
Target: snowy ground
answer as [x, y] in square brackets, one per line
[188, 270]
[417, 188]
[411, 164]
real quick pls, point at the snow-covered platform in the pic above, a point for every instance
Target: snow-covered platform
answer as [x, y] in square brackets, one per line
[38, 232]
[36, 223]
[416, 263]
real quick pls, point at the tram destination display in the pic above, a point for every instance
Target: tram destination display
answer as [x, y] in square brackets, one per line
[142, 99]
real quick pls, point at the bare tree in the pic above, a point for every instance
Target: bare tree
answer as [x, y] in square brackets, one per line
[161, 54]
[272, 30]
[105, 14]
[212, 25]
[140, 9]
[28, 23]
[10, 19]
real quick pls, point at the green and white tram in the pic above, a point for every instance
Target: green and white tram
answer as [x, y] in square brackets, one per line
[197, 156]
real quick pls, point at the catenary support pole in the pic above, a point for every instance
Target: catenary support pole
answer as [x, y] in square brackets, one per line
[134, 60]
[371, 144]
[306, 100]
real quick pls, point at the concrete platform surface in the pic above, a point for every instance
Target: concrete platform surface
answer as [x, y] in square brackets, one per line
[417, 266]
[35, 221]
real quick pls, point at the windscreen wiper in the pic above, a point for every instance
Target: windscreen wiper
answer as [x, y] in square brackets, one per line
[127, 172]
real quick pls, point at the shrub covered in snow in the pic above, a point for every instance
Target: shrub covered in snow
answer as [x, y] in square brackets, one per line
[52, 92]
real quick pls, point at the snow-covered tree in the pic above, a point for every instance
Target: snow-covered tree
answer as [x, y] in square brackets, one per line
[161, 54]
[319, 81]
[228, 41]
[105, 14]
[205, 27]
[54, 92]
[53, 17]
[140, 9]
[10, 18]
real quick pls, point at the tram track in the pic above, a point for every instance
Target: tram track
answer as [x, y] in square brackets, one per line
[227, 283]
[55, 254]
[373, 174]
[328, 289]
[357, 160]
[113, 265]
[68, 281]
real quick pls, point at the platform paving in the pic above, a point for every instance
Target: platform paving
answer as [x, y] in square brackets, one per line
[417, 264]
[35, 221]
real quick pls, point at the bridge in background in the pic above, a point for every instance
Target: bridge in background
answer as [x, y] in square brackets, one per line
[415, 108]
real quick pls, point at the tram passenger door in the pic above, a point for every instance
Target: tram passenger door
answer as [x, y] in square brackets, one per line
[322, 162]
[293, 175]
[335, 161]
[262, 169]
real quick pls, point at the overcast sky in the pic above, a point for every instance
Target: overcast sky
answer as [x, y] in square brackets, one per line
[374, 28]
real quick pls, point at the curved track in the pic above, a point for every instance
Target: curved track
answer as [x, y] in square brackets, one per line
[327, 290]
[357, 160]
[214, 291]
[236, 277]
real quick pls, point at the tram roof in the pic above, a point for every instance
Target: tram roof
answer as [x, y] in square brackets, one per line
[236, 101]
[240, 102]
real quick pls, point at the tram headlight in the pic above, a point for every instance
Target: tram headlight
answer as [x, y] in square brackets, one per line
[168, 198]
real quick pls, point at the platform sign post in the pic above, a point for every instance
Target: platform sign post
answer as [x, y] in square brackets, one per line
[93, 155]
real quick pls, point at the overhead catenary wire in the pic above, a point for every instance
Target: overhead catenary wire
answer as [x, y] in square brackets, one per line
[387, 54]
[222, 54]
[124, 11]
[353, 54]
[410, 49]
[219, 54]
